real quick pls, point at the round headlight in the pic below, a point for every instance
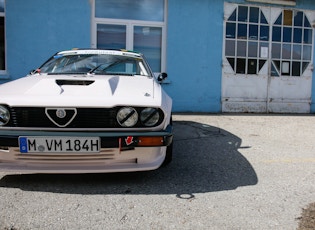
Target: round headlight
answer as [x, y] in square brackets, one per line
[149, 116]
[127, 117]
[4, 115]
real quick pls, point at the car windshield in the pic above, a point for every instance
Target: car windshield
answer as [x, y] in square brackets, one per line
[95, 62]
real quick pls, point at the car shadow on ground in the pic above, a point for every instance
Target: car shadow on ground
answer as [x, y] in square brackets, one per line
[205, 159]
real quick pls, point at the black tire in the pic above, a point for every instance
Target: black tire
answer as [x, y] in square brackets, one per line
[169, 151]
[169, 155]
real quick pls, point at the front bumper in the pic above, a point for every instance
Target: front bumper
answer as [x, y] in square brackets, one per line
[120, 152]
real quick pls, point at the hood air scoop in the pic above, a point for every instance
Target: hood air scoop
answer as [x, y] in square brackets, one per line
[74, 82]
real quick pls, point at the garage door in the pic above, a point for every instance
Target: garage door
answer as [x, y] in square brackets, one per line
[267, 59]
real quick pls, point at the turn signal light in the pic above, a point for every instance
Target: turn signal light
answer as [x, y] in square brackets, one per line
[150, 141]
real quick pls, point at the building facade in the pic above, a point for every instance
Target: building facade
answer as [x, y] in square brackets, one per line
[221, 56]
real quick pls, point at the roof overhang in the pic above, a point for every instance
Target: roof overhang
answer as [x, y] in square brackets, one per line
[278, 2]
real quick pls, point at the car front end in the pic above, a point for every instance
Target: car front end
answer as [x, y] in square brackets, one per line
[102, 120]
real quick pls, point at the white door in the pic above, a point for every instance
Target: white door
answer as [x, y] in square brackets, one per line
[267, 59]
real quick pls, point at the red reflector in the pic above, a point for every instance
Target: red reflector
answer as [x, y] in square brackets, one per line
[150, 141]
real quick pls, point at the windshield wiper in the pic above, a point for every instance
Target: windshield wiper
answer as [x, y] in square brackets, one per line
[66, 73]
[35, 71]
[92, 70]
[106, 68]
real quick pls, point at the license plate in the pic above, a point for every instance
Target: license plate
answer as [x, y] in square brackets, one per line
[59, 144]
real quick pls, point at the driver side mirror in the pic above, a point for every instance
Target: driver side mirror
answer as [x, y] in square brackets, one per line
[162, 77]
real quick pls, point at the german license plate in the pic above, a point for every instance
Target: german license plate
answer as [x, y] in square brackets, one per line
[59, 144]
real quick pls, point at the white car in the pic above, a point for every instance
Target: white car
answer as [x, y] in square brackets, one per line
[86, 111]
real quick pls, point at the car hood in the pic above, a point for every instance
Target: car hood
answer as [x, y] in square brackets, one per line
[91, 91]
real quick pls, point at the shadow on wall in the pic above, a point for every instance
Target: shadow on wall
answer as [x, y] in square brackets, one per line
[205, 159]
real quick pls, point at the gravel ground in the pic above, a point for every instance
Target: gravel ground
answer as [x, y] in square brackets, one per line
[228, 172]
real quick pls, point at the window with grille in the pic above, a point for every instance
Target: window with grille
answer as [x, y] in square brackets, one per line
[251, 41]
[292, 38]
[247, 40]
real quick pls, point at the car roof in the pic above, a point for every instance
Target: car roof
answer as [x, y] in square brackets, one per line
[100, 51]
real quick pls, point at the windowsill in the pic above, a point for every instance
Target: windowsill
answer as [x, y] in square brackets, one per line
[4, 75]
[278, 2]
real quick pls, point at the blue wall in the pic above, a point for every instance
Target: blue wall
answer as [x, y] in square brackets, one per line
[194, 54]
[35, 29]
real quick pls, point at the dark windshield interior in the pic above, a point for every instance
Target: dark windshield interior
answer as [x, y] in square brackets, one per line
[105, 64]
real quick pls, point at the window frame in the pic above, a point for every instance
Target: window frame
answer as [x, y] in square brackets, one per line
[130, 24]
[287, 57]
[279, 2]
[234, 43]
[242, 54]
[4, 71]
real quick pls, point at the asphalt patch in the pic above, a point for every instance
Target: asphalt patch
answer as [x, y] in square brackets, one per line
[307, 221]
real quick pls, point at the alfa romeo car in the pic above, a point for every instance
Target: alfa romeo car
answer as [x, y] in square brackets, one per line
[86, 111]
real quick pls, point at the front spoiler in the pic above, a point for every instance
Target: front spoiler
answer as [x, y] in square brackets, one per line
[120, 152]
[9, 138]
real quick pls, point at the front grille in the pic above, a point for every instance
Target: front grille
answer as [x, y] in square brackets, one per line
[85, 118]
[40, 117]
